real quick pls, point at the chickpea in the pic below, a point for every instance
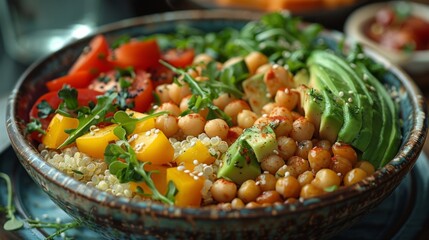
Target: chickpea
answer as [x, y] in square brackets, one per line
[192, 124]
[233, 108]
[345, 151]
[286, 171]
[299, 164]
[266, 181]
[223, 190]
[168, 124]
[302, 129]
[283, 125]
[288, 187]
[341, 165]
[272, 163]
[177, 93]
[252, 205]
[233, 134]
[366, 166]
[249, 191]
[237, 203]
[170, 107]
[223, 100]
[287, 98]
[287, 146]
[325, 144]
[277, 77]
[163, 92]
[263, 68]
[254, 60]
[231, 61]
[202, 58]
[269, 197]
[217, 127]
[280, 111]
[309, 191]
[246, 118]
[267, 108]
[305, 178]
[354, 176]
[319, 158]
[296, 115]
[304, 148]
[184, 103]
[326, 178]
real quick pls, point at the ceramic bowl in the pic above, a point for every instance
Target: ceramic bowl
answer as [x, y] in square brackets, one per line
[416, 62]
[119, 217]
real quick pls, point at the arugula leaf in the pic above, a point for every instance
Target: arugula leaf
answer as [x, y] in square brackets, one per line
[202, 95]
[96, 115]
[128, 123]
[121, 40]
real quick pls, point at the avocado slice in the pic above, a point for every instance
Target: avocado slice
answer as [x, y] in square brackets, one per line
[390, 132]
[256, 92]
[239, 163]
[262, 140]
[312, 104]
[235, 73]
[322, 78]
[343, 69]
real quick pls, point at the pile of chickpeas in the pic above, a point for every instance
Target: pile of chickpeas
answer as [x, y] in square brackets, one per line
[302, 167]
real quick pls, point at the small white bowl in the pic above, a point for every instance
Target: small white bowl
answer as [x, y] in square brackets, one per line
[416, 62]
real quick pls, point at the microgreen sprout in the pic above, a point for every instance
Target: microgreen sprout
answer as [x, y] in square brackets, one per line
[12, 223]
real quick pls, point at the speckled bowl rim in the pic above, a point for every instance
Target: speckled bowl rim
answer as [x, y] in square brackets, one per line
[407, 155]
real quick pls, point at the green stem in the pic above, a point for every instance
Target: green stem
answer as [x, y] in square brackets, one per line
[10, 208]
[156, 195]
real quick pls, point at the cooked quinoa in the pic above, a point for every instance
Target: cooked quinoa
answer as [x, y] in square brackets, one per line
[95, 173]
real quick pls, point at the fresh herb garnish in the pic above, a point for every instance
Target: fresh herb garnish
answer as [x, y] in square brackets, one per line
[12, 223]
[203, 95]
[60, 227]
[45, 109]
[34, 126]
[121, 40]
[96, 115]
[123, 162]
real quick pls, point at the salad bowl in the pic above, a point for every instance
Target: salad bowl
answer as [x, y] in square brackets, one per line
[120, 217]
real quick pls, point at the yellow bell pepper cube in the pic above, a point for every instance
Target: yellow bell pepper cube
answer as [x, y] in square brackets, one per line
[143, 126]
[152, 146]
[197, 152]
[160, 180]
[94, 143]
[189, 188]
[55, 133]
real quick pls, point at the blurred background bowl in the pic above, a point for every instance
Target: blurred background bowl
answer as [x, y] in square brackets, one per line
[119, 217]
[415, 62]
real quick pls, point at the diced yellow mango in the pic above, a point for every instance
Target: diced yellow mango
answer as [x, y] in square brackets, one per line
[153, 146]
[160, 180]
[144, 125]
[197, 152]
[94, 143]
[55, 133]
[189, 188]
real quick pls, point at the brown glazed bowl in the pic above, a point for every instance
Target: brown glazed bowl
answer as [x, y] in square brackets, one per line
[119, 217]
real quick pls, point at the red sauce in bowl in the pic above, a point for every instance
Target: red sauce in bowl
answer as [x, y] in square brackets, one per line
[396, 29]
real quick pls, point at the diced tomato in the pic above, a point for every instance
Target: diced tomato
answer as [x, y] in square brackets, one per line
[85, 96]
[143, 88]
[76, 80]
[138, 54]
[179, 58]
[94, 58]
[161, 75]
